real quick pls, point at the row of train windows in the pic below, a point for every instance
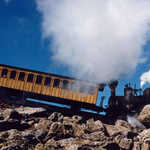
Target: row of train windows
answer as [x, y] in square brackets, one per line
[47, 82]
[30, 78]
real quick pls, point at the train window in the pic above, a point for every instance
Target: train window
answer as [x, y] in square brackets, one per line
[39, 79]
[65, 84]
[56, 83]
[47, 81]
[4, 73]
[21, 76]
[13, 75]
[30, 78]
[91, 90]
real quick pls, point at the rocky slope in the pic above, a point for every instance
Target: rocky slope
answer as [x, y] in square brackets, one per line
[35, 128]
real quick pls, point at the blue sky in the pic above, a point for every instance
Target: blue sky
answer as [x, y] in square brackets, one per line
[21, 42]
[22, 45]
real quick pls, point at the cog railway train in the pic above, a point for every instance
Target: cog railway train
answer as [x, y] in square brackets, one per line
[66, 90]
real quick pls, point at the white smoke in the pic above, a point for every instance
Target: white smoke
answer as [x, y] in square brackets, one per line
[96, 39]
[145, 78]
[134, 122]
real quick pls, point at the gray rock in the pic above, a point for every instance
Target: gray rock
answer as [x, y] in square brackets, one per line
[43, 124]
[77, 119]
[136, 146]
[144, 115]
[116, 130]
[29, 110]
[93, 126]
[56, 117]
[51, 144]
[95, 136]
[58, 132]
[144, 137]
[123, 142]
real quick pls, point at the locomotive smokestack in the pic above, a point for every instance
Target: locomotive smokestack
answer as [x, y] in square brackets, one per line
[112, 87]
[102, 86]
[128, 93]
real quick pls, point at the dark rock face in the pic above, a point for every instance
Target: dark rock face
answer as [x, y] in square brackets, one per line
[24, 128]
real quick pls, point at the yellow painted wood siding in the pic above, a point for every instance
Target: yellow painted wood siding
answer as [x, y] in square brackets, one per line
[45, 90]
[3, 80]
[28, 86]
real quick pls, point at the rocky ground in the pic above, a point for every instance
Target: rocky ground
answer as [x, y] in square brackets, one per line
[36, 128]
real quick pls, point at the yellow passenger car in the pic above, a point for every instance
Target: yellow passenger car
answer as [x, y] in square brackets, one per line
[47, 86]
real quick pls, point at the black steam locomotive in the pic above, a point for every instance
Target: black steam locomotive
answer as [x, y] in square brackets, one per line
[132, 100]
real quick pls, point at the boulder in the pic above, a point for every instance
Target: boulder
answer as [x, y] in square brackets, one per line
[40, 135]
[29, 138]
[136, 146]
[56, 117]
[95, 136]
[39, 146]
[116, 130]
[123, 142]
[144, 115]
[13, 140]
[79, 130]
[69, 144]
[56, 131]
[8, 113]
[76, 119]
[144, 137]
[93, 126]
[123, 123]
[29, 110]
[43, 124]
[51, 144]
[145, 146]
[68, 119]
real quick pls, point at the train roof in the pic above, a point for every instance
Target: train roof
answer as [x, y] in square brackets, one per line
[36, 71]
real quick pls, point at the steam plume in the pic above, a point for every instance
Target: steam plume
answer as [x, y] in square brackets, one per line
[145, 78]
[97, 39]
[134, 122]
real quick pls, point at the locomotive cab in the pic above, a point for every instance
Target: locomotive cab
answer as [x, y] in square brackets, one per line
[147, 92]
[146, 95]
